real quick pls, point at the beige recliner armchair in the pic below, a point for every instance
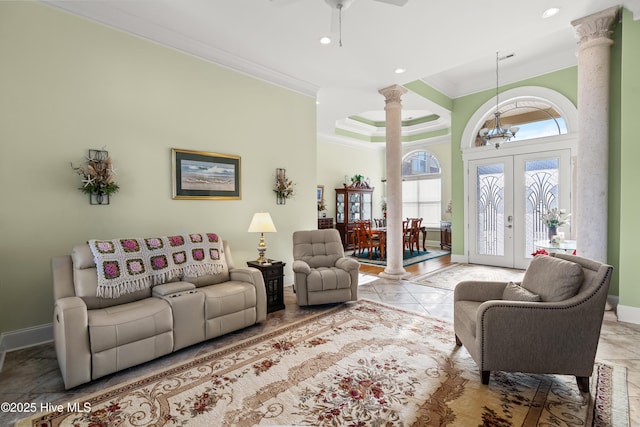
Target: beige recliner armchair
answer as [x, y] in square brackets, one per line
[550, 324]
[322, 273]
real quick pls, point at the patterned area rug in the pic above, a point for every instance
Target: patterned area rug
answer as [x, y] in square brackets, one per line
[408, 258]
[449, 277]
[358, 364]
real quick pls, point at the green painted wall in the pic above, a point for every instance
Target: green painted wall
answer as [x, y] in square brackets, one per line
[423, 89]
[69, 85]
[629, 155]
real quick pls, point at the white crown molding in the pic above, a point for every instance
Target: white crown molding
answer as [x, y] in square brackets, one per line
[134, 25]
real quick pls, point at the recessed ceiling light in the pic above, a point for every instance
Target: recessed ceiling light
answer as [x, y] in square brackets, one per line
[399, 70]
[325, 40]
[550, 12]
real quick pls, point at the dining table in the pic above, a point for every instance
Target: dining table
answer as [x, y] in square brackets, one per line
[381, 234]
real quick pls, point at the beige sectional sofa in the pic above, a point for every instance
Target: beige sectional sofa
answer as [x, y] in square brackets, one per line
[96, 336]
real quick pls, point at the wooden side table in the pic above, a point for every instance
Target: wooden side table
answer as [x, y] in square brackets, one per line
[273, 274]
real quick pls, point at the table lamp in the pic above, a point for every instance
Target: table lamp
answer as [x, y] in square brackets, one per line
[261, 223]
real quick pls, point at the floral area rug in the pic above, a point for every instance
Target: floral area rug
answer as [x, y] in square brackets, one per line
[357, 364]
[449, 277]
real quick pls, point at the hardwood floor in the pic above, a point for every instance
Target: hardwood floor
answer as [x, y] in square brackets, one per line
[416, 269]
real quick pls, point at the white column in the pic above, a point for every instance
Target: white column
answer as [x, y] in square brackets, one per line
[594, 49]
[395, 244]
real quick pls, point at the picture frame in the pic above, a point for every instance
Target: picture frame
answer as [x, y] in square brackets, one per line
[200, 175]
[320, 193]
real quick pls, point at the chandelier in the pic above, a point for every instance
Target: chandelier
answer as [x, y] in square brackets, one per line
[498, 135]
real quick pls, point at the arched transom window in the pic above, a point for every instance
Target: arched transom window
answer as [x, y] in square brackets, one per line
[533, 118]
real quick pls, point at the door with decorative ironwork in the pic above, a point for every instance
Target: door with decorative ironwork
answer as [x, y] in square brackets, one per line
[507, 198]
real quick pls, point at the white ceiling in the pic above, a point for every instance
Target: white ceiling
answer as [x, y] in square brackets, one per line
[449, 44]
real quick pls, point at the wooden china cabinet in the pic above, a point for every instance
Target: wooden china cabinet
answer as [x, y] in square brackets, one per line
[353, 203]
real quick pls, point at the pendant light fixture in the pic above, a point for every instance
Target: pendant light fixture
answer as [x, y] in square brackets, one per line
[498, 135]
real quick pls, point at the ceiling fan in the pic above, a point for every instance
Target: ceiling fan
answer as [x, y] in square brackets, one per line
[339, 5]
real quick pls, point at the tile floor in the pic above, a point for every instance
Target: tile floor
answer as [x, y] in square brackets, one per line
[31, 375]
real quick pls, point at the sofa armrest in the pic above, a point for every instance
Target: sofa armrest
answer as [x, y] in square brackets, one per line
[300, 266]
[253, 276]
[71, 337]
[347, 264]
[247, 274]
[62, 271]
[472, 290]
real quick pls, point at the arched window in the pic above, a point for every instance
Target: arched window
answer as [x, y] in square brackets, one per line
[422, 188]
[533, 118]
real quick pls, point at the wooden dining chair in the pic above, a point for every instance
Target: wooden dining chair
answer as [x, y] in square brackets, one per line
[380, 222]
[406, 232]
[366, 238]
[412, 234]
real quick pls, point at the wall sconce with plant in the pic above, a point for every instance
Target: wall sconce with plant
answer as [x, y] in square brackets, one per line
[284, 188]
[97, 177]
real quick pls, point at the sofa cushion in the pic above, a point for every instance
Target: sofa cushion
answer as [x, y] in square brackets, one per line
[552, 278]
[85, 281]
[325, 279]
[513, 292]
[126, 323]
[228, 297]
[318, 248]
[209, 279]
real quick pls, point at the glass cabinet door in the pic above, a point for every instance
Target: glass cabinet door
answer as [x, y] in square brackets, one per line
[354, 207]
[340, 207]
[366, 207]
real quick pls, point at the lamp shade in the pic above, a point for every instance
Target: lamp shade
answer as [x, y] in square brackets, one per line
[261, 223]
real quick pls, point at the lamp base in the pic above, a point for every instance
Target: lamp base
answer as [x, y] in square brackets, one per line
[261, 258]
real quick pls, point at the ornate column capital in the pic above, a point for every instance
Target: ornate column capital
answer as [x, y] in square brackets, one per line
[392, 93]
[595, 27]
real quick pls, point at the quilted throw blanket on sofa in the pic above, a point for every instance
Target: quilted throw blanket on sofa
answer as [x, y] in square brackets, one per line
[129, 265]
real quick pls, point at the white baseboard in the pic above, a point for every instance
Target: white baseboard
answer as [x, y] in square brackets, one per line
[628, 314]
[461, 259]
[22, 338]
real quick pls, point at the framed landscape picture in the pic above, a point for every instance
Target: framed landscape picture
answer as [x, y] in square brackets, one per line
[203, 175]
[320, 193]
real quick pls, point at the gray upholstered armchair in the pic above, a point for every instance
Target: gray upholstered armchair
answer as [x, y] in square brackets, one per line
[550, 324]
[322, 274]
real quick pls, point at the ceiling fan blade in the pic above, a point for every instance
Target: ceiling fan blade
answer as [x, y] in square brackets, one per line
[394, 2]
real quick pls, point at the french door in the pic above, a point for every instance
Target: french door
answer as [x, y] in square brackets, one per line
[507, 197]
